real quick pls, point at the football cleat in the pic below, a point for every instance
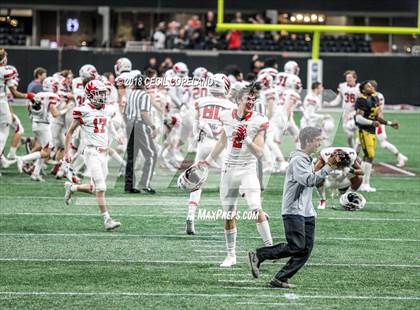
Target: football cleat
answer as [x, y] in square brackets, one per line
[6, 163]
[68, 193]
[37, 178]
[229, 261]
[367, 188]
[190, 230]
[401, 160]
[322, 204]
[254, 263]
[111, 224]
[19, 164]
[276, 283]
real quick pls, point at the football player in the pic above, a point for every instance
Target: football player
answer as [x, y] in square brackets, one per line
[94, 118]
[381, 133]
[44, 104]
[243, 135]
[348, 92]
[347, 176]
[367, 119]
[7, 81]
[208, 110]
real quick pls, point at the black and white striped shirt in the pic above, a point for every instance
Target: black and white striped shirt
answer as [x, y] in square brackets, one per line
[138, 101]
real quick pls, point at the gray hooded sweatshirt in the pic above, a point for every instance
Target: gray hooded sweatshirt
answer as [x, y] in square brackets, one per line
[298, 184]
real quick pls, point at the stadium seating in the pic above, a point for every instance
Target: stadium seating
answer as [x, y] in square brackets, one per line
[12, 36]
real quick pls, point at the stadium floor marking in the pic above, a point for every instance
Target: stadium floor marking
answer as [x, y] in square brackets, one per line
[216, 295]
[199, 242]
[163, 215]
[397, 169]
[270, 304]
[132, 261]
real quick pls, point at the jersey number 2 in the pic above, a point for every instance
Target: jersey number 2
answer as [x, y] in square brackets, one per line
[99, 124]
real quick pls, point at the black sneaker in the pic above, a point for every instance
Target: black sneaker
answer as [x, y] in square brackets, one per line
[132, 191]
[254, 263]
[190, 230]
[276, 283]
[149, 190]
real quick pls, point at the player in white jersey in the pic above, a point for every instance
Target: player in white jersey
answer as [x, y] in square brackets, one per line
[348, 92]
[243, 135]
[209, 126]
[310, 113]
[7, 76]
[381, 133]
[123, 80]
[94, 118]
[348, 175]
[44, 104]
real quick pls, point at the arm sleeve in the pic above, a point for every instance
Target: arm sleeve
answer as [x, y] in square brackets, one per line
[302, 172]
[363, 120]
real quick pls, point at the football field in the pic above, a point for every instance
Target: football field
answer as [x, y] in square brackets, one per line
[58, 256]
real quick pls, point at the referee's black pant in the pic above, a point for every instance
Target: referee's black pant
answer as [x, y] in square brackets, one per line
[300, 235]
[139, 139]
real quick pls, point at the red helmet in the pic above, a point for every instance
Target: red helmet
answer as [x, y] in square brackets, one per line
[96, 92]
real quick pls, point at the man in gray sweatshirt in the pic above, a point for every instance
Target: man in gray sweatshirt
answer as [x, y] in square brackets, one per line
[297, 211]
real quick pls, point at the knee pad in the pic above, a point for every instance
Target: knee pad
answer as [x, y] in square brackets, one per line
[99, 187]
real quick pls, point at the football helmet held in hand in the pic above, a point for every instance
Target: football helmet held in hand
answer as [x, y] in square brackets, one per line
[193, 178]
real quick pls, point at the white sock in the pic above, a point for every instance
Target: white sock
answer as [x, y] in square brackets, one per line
[390, 147]
[265, 233]
[106, 216]
[115, 156]
[31, 156]
[367, 170]
[400, 156]
[230, 237]
[191, 212]
[12, 151]
[38, 166]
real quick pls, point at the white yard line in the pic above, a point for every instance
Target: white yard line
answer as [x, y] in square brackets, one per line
[160, 214]
[270, 304]
[180, 262]
[398, 169]
[216, 295]
[195, 242]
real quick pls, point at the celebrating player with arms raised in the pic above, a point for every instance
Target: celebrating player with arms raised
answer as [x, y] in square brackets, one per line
[243, 134]
[94, 118]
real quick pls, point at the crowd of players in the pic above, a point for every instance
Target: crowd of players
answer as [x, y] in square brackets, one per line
[78, 123]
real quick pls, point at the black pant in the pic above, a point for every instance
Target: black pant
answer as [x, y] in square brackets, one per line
[139, 139]
[300, 235]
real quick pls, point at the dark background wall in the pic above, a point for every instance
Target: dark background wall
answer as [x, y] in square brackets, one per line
[398, 76]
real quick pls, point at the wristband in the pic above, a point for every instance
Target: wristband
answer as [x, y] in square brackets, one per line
[248, 140]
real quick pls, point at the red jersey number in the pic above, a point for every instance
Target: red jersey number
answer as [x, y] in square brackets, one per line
[211, 111]
[199, 92]
[282, 80]
[350, 97]
[99, 124]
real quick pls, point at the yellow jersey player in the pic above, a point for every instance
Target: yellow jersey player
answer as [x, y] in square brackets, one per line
[367, 119]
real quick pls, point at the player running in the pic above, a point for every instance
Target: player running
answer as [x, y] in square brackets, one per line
[94, 118]
[243, 135]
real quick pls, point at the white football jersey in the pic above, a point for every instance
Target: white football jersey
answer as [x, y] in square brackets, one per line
[45, 100]
[311, 106]
[6, 80]
[95, 123]
[381, 99]
[199, 92]
[78, 91]
[349, 96]
[238, 153]
[209, 109]
[326, 153]
[284, 79]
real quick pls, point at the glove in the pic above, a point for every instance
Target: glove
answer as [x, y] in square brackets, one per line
[30, 96]
[240, 133]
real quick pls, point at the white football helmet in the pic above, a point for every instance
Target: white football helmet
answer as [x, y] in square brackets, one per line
[291, 67]
[50, 84]
[271, 71]
[193, 178]
[352, 201]
[180, 69]
[88, 71]
[200, 73]
[220, 85]
[294, 83]
[96, 92]
[122, 65]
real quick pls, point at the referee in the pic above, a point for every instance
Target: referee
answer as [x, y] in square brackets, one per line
[297, 211]
[141, 132]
